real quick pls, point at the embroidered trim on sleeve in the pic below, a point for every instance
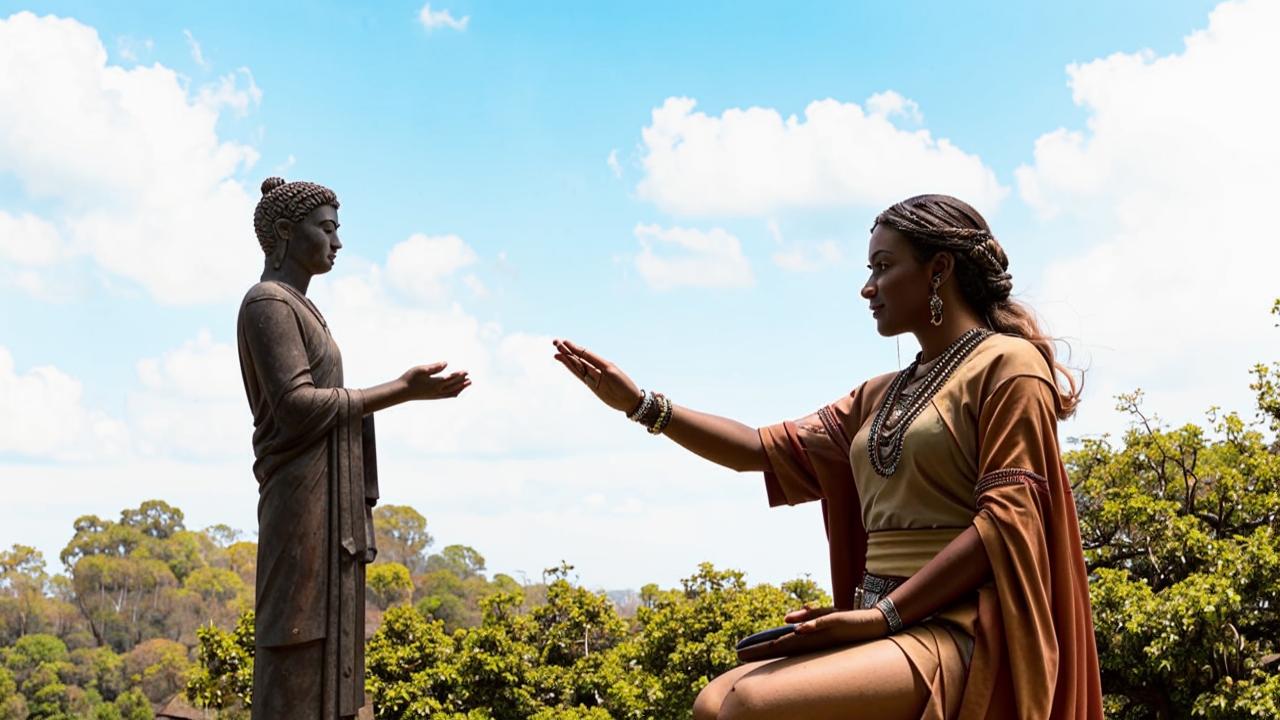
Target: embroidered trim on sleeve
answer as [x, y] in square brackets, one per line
[1005, 476]
[834, 429]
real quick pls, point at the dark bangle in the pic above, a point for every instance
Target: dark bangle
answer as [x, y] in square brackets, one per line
[651, 413]
[664, 417]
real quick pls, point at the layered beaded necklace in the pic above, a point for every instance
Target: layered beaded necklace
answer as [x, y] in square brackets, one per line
[901, 406]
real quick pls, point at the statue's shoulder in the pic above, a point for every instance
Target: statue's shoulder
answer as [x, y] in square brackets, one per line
[266, 290]
[264, 295]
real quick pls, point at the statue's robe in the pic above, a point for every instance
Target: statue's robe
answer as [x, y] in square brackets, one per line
[317, 484]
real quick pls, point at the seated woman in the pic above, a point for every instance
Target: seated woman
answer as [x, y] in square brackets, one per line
[959, 582]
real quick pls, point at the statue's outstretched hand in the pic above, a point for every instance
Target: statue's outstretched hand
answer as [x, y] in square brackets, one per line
[425, 382]
[602, 377]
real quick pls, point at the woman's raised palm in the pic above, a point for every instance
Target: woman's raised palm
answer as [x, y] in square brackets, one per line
[602, 377]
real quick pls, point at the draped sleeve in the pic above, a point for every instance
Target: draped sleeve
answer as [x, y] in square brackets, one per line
[1035, 639]
[809, 460]
[282, 369]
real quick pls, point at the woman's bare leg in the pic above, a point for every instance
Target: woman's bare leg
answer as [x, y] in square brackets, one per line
[873, 680]
[707, 704]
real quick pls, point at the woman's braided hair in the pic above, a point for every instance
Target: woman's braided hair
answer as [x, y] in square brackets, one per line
[938, 223]
[289, 201]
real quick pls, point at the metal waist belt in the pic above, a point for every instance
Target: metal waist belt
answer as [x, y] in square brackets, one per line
[875, 587]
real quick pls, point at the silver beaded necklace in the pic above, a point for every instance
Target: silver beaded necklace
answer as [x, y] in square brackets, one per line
[900, 407]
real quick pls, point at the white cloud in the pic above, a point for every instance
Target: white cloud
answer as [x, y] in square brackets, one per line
[421, 265]
[226, 92]
[1164, 206]
[710, 259]
[191, 402]
[43, 416]
[754, 162]
[131, 161]
[890, 104]
[196, 53]
[798, 258]
[432, 19]
[29, 240]
[132, 49]
[521, 400]
[30, 248]
[613, 163]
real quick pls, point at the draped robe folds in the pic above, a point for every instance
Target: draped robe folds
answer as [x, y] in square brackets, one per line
[317, 483]
[985, 452]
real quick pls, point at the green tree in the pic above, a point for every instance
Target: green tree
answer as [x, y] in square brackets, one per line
[389, 584]
[13, 706]
[23, 582]
[1181, 540]
[460, 560]
[99, 669]
[412, 667]
[46, 694]
[154, 518]
[222, 678]
[216, 586]
[133, 705]
[30, 652]
[158, 667]
[401, 533]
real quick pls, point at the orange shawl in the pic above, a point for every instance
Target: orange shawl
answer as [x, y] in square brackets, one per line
[1034, 654]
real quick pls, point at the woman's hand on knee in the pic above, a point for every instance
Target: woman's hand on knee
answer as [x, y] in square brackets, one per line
[831, 629]
[845, 626]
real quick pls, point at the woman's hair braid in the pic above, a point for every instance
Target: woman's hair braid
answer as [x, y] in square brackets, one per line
[938, 223]
[288, 201]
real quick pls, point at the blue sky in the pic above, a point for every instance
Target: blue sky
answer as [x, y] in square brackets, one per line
[521, 147]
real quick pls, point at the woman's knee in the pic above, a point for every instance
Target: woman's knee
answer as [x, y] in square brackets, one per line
[748, 699]
[707, 705]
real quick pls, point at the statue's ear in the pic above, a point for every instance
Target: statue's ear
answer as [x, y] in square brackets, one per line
[282, 228]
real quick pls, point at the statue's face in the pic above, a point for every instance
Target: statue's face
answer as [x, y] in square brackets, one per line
[314, 242]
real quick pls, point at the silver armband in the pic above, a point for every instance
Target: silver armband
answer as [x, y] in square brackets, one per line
[886, 606]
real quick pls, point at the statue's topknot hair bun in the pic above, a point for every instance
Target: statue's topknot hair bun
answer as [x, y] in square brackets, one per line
[271, 183]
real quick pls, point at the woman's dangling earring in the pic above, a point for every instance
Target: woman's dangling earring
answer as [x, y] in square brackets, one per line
[935, 302]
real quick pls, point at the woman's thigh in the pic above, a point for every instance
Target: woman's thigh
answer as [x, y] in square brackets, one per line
[872, 680]
[707, 705]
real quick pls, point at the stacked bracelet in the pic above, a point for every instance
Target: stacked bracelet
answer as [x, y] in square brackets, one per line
[646, 402]
[664, 416]
[886, 606]
[653, 411]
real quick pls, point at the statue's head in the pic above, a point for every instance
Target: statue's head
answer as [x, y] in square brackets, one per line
[297, 222]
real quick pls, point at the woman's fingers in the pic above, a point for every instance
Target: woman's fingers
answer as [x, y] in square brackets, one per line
[786, 646]
[807, 613]
[581, 354]
[591, 357]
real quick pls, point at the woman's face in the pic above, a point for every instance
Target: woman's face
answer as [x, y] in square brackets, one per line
[314, 242]
[898, 289]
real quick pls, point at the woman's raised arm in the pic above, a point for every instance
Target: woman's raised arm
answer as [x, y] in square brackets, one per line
[719, 439]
